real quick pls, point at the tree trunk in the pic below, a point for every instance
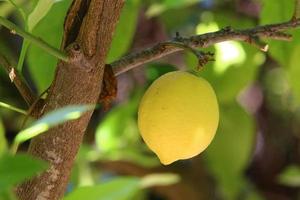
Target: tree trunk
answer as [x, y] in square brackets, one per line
[88, 33]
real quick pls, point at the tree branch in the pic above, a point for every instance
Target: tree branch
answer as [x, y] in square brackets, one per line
[77, 81]
[272, 31]
[18, 80]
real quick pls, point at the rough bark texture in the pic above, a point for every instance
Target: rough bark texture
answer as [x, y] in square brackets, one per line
[76, 82]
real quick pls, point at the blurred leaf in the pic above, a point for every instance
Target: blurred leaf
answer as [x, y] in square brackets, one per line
[125, 30]
[6, 9]
[236, 64]
[164, 5]
[117, 127]
[117, 136]
[161, 179]
[16, 169]
[118, 189]
[155, 70]
[3, 142]
[39, 12]
[229, 152]
[17, 5]
[290, 176]
[274, 12]
[41, 65]
[7, 195]
[293, 73]
[52, 119]
[236, 78]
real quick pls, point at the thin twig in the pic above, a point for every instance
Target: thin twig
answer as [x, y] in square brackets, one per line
[272, 31]
[35, 40]
[18, 80]
[10, 107]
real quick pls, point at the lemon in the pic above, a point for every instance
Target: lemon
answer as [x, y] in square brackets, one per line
[178, 116]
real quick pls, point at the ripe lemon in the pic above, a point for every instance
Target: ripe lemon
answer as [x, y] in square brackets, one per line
[178, 116]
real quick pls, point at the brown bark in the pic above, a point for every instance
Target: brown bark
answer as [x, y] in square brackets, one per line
[88, 33]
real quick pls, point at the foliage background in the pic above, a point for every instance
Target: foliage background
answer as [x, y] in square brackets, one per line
[255, 154]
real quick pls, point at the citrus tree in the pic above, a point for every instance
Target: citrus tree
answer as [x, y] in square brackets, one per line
[82, 79]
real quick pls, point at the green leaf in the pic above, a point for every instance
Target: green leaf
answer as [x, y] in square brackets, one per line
[293, 73]
[164, 5]
[41, 65]
[229, 153]
[3, 142]
[159, 179]
[52, 119]
[117, 136]
[125, 30]
[290, 176]
[16, 4]
[39, 12]
[7, 195]
[274, 12]
[16, 169]
[123, 188]
[236, 64]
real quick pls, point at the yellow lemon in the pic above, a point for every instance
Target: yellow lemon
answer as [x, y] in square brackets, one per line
[178, 116]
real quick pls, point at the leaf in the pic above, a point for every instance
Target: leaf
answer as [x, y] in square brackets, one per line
[52, 119]
[3, 142]
[293, 73]
[290, 176]
[125, 30]
[274, 12]
[159, 179]
[158, 8]
[41, 65]
[16, 169]
[39, 12]
[118, 189]
[117, 135]
[16, 4]
[236, 64]
[229, 153]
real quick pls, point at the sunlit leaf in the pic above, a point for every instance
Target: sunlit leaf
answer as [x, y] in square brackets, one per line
[161, 179]
[164, 5]
[236, 64]
[118, 189]
[290, 176]
[228, 54]
[15, 169]
[52, 119]
[125, 30]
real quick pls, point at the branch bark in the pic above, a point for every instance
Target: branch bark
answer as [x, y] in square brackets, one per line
[272, 31]
[77, 81]
[18, 80]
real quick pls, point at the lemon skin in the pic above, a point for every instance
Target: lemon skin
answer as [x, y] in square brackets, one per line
[178, 116]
